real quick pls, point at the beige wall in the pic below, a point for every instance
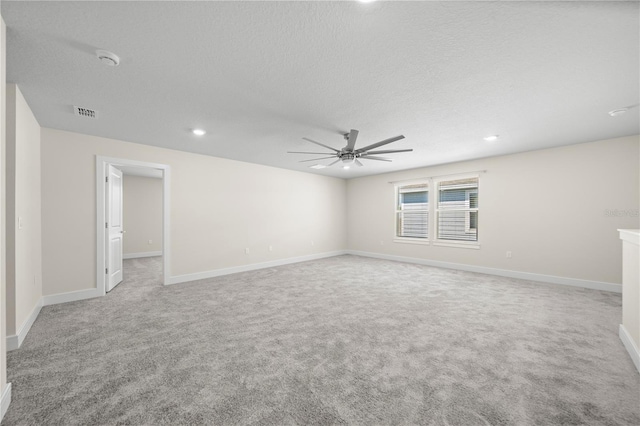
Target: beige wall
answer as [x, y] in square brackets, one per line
[219, 207]
[3, 293]
[547, 207]
[24, 244]
[142, 214]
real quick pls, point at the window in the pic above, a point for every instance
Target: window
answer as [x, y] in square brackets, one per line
[451, 218]
[457, 211]
[412, 211]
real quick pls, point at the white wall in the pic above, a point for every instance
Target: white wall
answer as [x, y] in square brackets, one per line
[3, 293]
[142, 211]
[23, 212]
[547, 207]
[219, 207]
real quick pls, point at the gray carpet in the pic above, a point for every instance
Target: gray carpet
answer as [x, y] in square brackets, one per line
[344, 340]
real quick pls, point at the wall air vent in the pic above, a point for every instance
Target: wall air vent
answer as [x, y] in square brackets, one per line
[84, 112]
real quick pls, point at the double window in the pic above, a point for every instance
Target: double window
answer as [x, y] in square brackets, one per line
[452, 213]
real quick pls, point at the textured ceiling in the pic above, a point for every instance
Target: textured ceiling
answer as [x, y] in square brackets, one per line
[260, 76]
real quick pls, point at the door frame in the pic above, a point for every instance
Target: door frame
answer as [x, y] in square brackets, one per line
[102, 171]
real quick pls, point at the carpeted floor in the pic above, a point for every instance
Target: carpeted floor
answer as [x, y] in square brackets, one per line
[344, 340]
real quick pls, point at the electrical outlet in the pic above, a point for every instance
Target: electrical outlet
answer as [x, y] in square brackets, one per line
[381, 242]
[150, 241]
[270, 248]
[246, 251]
[19, 222]
[509, 255]
[313, 243]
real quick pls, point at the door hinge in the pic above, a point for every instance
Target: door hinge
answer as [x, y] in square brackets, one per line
[106, 271]
[106, 224]
[106, 179]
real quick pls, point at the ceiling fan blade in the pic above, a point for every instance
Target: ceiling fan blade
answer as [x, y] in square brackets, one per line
[358, 163]
[369, 157]
[321, 144]
[329, 165]
[351, 141]
[388, 151]
[377, 144]
[315, 159]
[305, 152]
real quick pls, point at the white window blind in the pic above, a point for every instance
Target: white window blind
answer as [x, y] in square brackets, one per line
[412, 211]
[457, 210]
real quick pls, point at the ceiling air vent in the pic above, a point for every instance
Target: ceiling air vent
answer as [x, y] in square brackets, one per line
[85, 112]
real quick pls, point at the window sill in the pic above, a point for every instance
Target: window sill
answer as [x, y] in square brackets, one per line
[419, 241]
[474, 246]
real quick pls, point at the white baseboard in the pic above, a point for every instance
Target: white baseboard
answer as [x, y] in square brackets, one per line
[252, 267]
[72, 296]
[630, 346]
[575, 282]
[142, 254]
[6, 400]
[15, 341]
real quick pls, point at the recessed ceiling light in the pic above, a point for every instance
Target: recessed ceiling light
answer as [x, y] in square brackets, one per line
[366, 1]
[617, 112]
[346, 167]
[198, 132]
[318, 166]
[491, 138]
[108, 58]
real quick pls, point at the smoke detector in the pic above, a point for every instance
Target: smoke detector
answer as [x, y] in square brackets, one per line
[108, 58]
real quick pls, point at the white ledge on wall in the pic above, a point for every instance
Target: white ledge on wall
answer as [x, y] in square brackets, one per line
[630, 235]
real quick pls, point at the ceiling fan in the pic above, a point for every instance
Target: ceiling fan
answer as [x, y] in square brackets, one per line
[349, 154]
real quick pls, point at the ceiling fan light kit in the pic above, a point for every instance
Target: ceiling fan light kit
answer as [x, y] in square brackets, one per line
[349, 155]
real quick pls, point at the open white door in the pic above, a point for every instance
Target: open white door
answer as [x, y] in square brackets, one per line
[114, 228]
[109, 204]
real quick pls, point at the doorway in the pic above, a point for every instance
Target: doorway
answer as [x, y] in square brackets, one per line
[110, 233]
[142, 219]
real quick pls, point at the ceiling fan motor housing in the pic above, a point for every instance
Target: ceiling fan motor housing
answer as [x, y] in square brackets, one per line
[347, 157]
